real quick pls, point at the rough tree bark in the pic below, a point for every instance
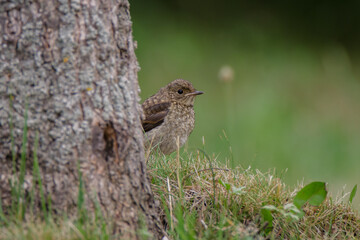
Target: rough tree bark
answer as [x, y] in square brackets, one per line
[73, 63]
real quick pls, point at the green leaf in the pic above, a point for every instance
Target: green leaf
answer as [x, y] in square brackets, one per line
[314, 193]
[352, 194]
[267, 217]
[227, 186]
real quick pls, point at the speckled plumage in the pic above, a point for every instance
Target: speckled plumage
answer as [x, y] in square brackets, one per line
[169, 114]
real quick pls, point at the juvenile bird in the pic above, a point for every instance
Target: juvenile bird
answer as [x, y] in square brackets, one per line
[169, 114]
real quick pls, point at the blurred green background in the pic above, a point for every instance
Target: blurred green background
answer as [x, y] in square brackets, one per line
[281, 79]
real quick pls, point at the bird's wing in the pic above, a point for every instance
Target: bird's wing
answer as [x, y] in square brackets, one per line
[155, 115]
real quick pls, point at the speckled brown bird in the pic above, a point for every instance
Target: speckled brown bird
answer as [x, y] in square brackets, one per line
[169, 114]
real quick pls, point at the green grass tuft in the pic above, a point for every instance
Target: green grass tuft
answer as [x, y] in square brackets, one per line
[240, 196]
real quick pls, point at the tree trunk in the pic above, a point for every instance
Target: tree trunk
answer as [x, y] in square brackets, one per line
[73, 64]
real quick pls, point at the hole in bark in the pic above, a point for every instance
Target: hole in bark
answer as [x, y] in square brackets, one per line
[110, 140]
[124, 53]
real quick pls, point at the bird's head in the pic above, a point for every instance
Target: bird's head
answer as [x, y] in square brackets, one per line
[182, 91]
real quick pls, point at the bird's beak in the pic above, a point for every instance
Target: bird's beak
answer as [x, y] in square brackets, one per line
[194, 93]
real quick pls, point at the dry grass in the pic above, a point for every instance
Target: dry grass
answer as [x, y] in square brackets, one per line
[210, 211]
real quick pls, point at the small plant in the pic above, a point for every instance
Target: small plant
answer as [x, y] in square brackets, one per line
[232, 189]
[313, 193]
[352, 194]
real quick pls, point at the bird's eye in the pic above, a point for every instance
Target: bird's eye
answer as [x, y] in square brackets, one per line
[180, 91]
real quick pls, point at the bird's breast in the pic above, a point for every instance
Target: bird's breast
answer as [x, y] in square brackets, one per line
[178, 124]
[181, 118]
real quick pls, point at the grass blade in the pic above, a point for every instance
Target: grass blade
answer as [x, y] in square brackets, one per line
[21, 193]
[37, 178]
[352, 194]
[13, 153]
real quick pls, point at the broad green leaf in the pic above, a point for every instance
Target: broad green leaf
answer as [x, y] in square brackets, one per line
[314, 193]
[352, 194]
[267, 217]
